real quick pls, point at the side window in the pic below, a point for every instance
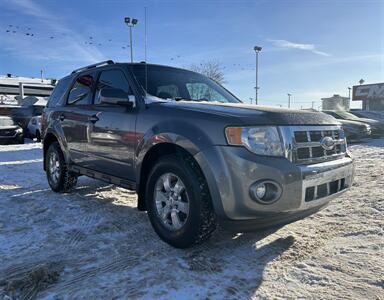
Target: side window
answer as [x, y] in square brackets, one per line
[111, 79]
[81, 91]
[58, 91]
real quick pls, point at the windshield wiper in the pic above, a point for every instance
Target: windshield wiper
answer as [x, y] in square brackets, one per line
[188, 99]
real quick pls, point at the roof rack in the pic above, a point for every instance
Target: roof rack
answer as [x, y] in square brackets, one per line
[102, 63]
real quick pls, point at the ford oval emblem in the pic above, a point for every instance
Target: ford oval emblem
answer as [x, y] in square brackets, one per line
[327, 142]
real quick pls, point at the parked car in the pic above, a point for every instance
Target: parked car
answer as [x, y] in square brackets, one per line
[194, 153]
[10, 132]
[356, 131]
[377, 127]
[374, 115]
[34, 128]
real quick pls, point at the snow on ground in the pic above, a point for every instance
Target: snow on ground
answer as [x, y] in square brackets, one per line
[94, 244]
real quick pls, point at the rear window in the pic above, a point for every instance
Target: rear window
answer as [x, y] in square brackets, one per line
[81, 91]
[58, 91]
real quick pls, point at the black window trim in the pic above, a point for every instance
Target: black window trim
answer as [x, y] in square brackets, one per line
[106, 69]
[96, 72]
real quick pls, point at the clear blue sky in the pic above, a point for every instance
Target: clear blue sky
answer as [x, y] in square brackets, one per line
[311, 49]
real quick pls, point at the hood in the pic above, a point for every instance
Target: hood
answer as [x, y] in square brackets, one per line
[352, 123]
[12, 127]
[370, 121]
[254, 114]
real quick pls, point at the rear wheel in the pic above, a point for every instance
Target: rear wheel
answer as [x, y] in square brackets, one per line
[60, 179]
[178, 202]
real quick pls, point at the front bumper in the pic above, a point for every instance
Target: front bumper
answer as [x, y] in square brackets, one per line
[230, 171]
[17, 138]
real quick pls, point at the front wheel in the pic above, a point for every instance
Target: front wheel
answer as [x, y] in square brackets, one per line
[178, 202]
[60, 179]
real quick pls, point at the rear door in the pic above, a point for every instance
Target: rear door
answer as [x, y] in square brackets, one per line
[75, 115]
[112, 133]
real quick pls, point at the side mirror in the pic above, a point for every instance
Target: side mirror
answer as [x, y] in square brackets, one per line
[116, 97]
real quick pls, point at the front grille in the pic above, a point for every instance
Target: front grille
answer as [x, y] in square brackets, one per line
[308, 148]
[7, 132]
[324, 190]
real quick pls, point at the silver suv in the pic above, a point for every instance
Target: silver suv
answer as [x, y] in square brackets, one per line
[194, 153]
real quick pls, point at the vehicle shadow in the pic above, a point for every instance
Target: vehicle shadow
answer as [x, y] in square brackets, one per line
[96, 231]
[239, 259]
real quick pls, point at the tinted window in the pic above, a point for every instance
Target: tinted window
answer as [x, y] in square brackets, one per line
[111, 79]
[165, 82]
[58, 91]
[81, 91]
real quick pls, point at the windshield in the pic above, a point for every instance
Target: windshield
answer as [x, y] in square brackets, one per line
[171, 83]
[347, 115]
[6, 122]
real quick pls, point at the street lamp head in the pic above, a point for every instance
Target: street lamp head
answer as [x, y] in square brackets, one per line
[289, 94]
[134, 21]
[257, 48]
[127, 20]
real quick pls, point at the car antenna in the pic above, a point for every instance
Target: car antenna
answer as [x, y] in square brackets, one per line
[145, 49]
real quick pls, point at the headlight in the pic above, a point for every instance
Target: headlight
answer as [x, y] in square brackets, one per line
[263, 140]
[19, 130]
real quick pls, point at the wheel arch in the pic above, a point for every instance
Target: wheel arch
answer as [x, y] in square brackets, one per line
[151, 156]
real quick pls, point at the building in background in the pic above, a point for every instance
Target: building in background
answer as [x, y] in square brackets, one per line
[23, 97]
[12, 86]
[372, 96]
[336, 102]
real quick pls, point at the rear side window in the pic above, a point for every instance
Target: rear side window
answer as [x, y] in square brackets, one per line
[81, 91]
[58, 91]
[112, 79]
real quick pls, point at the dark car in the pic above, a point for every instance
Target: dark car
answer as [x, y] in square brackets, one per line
[374, 115]
[356, 131]
[377, 127]
[194, 153]
[10, 132]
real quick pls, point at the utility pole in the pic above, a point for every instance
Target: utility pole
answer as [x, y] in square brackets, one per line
[251, 99]
[130, 23]
[257, 50]
[349, 97]
[289, 100]
[313, 104]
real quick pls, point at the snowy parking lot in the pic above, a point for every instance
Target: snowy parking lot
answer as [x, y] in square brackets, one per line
[94, 243]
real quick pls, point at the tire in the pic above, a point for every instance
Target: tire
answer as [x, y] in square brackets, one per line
[60, 179]
[38, 136]
[197, 220]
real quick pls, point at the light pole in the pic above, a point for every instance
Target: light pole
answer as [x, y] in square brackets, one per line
[251, 99]
[289, 100]
[349, 97]
[130, 23]
[257, 50]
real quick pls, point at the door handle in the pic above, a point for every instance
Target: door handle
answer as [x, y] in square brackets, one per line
[62, 117]
[93, 119]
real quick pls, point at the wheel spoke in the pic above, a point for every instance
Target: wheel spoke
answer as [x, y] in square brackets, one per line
[160, 198]
[165, 212]
[179, 187]
[167, 182]
[183, 207]
[175, 219]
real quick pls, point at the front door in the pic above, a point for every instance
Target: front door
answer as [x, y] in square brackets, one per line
[111, 134]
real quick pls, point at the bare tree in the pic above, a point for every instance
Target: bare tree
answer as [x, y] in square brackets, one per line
[211, 69]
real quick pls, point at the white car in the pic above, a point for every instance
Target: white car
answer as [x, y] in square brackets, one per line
[34, 128]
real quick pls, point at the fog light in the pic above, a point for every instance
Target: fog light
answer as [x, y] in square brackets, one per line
[265, 191]
[260, 190]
